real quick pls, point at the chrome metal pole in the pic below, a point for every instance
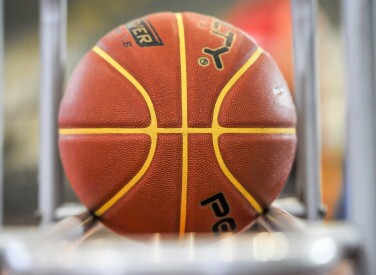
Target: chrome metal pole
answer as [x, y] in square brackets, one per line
[360, 160]
[53, 56]
[2, 86]
[307, 103]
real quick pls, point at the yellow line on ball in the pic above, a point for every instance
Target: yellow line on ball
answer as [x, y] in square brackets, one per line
[215, 125]
[131, 79]
[153, 125]
[184, 107]
[149, 131]
[132, 182]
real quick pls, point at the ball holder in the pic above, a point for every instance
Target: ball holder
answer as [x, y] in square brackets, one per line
[282, 244]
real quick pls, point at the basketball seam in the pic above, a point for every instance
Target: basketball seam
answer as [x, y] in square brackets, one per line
[148, 131]
[252, 201]
[130, 78]
[184, 108]
[152, 134]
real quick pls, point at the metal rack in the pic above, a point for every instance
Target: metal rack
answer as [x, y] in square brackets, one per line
[343, 240]
[316, 249]
[360, 172]
[1, 109]
[308, 181]
[53, 15]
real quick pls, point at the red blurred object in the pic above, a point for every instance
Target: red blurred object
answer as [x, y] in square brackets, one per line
[269, 22]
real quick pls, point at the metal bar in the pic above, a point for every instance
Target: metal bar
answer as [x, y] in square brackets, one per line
[53, 55]
[291, 205]
[74, 228]
[307, 103]
[313, 250]
[1, 112]
[278, 220]
[360, 160]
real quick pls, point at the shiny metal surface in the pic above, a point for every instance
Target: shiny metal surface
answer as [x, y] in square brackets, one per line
[316, 249]
[53, 56]
[77, 227]
[1, 112]
[360, 167]
[307, 103]
[282, 244]
[291, 205]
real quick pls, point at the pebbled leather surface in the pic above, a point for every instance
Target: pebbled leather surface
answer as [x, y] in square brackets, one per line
[206, 180]
[153, 205]
[157, 68]
[97, 96]
[260, 162]
[260, 98]
[206, 82]
[98, 165]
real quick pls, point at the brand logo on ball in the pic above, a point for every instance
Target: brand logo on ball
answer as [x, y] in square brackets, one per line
[220, 208]
[144, 33]
[215, 54]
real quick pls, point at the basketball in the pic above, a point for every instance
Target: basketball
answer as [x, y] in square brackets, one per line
[176, 123]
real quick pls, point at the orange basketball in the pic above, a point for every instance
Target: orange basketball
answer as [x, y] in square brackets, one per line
[177, 123]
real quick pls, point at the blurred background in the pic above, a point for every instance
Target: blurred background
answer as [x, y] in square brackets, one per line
[268, 21]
